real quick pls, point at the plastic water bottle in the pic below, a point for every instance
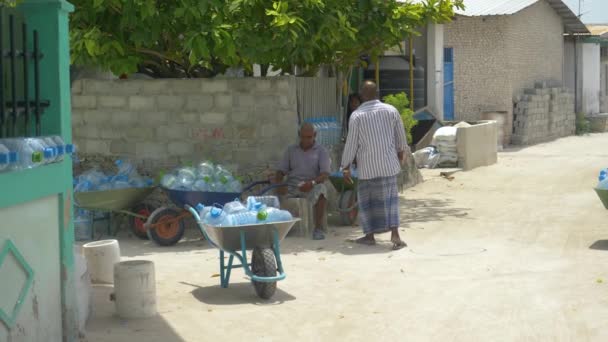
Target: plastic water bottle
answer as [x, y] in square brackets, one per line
[242, 218]
[201, 185]
[60, 146]
[603, 174]
[4, 158]
[185, 178]
[202, 210]
[125, 169]
[234, 207]
[27, 157]
[278, 215]
[603, 185]
[168, 181]
[215, 217]
[222, 175]
[269, 201]
[83, 186]
[205, 169]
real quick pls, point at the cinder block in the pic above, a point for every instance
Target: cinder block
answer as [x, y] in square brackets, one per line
[214, 118]
[199, 103]
[97, 116]
[173, 132]
[153, 118]
[142, 103]
[122, 147]
[152, 87]
[186, 86]
[115, 87]
[112, 101]
[124, 119]
[149, 149]
[223, 101]
[84, 101]
[244, 101]
[170, 102]
[214, 85]
[96, 146]
[180, 148]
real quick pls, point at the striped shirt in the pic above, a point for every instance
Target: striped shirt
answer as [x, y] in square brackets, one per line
[375, 135]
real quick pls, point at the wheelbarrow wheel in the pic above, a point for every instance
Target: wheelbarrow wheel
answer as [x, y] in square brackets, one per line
[137, 224]
[348, 200]
[264, 264]
[164, 226]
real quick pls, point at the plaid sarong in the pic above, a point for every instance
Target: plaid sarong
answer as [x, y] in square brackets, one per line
[378, 204]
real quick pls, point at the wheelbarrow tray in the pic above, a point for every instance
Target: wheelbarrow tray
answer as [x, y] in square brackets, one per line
[256, 235]
[112, 200]
[341, 185]
[182, 198]
[603, 195]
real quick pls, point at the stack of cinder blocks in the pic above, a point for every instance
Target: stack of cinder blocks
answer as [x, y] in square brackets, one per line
[543, 114]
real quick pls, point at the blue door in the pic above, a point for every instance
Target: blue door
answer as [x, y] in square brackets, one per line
[448, 84]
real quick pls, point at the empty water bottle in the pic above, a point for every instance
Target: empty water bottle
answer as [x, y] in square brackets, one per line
[4, 158]
[202, 210]
[215, 217]
[234, 207]
[603, 185]
[185, 177]
[222, 175]
[205, 169]
[202, 185]
[270, 201]
[603, 174]
[125, 169]
[60, 146]
[242, 218]
[27, 157]
[168, 181]
[278, 215]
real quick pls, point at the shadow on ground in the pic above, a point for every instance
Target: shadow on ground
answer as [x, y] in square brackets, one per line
[237, 293]
[601, 245]
[105, 325]
[429, 210]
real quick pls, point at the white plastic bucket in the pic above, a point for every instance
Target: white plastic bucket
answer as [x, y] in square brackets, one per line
[135, 289]
[101, 257]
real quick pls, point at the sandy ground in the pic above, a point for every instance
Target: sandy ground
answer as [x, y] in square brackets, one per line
[513, 252]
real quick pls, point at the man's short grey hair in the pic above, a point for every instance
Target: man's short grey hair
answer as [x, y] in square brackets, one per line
[307, 125]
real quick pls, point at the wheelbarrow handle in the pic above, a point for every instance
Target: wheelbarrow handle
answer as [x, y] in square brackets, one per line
[270, 187]
[254, 184]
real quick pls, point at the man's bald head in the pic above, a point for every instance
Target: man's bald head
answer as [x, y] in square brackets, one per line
[369, 91]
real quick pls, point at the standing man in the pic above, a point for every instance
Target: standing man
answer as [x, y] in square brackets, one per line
[376, 140]
[306, 166]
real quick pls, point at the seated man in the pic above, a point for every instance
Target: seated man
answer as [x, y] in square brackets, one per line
[306, 166]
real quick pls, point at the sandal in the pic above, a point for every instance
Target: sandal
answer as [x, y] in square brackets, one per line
[318, 235]
[397, 245]
[363, 241]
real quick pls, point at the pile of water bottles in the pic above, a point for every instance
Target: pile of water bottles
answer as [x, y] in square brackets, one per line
[27, 153]
[328, 130]
[603, 178]
[205, 177]
[257, 209]
[125, 177]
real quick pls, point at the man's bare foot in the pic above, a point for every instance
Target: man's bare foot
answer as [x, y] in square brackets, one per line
[367, 240]
[396, 239]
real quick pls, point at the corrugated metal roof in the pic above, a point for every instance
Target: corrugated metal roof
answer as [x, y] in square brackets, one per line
[475, 8]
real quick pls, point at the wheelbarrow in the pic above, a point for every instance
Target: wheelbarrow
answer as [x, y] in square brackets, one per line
[262, 239]
[166, 226]
[124, 201]
[347, 201]
[603, 195]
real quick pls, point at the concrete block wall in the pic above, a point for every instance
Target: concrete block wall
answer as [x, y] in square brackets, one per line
[245, 123]
[542, 114]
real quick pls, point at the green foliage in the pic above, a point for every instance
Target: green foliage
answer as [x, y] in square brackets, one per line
[402, 103]
[583, 126]
[200, 38]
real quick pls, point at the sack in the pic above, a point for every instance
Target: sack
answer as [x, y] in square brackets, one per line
[462, 124]
[449, 158]
[447, 148]
[445, 134]
[426, 157]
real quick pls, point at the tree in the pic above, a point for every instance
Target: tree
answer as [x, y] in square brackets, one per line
[402, 104]
[200, 38]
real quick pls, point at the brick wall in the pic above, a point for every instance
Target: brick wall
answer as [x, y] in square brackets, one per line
[480, 66]
[245, 123]
[497, 57]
